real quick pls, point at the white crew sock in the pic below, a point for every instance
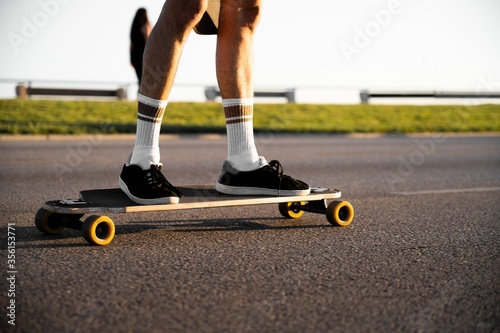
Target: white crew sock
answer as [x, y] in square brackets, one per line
[149, 116]
[241, 150]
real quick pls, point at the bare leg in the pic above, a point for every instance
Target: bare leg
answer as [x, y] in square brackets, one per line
[165, 45]
[141, 178]
[161, 59]
[237, 22]
[244, 172]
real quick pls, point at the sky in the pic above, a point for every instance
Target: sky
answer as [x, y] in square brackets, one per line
[327, 49]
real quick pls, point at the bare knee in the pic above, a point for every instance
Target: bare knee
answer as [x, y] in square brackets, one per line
[183, 15]
[245, 13]
[192, 9]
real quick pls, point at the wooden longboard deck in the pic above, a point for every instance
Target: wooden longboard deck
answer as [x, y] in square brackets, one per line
[115, 201]
[209, 23]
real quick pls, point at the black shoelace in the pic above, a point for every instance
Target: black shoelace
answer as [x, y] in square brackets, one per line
[151, 177]
[155, 178]
[276, 167]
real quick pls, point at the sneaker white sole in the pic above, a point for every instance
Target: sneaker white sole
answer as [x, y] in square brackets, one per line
[142, 201]
[237, 190]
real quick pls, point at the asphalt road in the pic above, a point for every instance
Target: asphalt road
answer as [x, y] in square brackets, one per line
[422, 254]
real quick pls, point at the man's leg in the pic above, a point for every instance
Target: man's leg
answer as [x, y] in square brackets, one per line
[238, 20]
[141, 178]
[244, 172]
[161, 59]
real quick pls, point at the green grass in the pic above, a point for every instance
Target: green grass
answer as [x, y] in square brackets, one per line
[81, 117]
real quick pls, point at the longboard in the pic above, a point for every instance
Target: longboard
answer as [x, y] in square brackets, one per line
[55, 215]
[209, 23]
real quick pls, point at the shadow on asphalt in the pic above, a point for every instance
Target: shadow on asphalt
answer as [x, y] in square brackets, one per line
[27, 235]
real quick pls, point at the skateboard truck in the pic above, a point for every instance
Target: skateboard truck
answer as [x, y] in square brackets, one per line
[337, 212]
[70, 202]
[320, 206]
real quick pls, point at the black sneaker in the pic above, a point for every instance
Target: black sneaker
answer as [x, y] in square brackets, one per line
[147, 187]
[267, 180]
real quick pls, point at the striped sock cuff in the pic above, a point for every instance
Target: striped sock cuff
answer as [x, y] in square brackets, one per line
[152, 102]
[238, 114]
[237, 101]
[150, 110]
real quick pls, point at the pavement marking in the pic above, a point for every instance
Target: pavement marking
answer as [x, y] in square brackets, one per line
[461, 190]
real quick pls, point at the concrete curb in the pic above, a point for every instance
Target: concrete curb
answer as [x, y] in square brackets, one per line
[131, 137]
[107, 137]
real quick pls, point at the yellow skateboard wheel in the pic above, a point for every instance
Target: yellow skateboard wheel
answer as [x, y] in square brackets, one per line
[48, 222]
[98, 230]
[340, 213]
[291, 210]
